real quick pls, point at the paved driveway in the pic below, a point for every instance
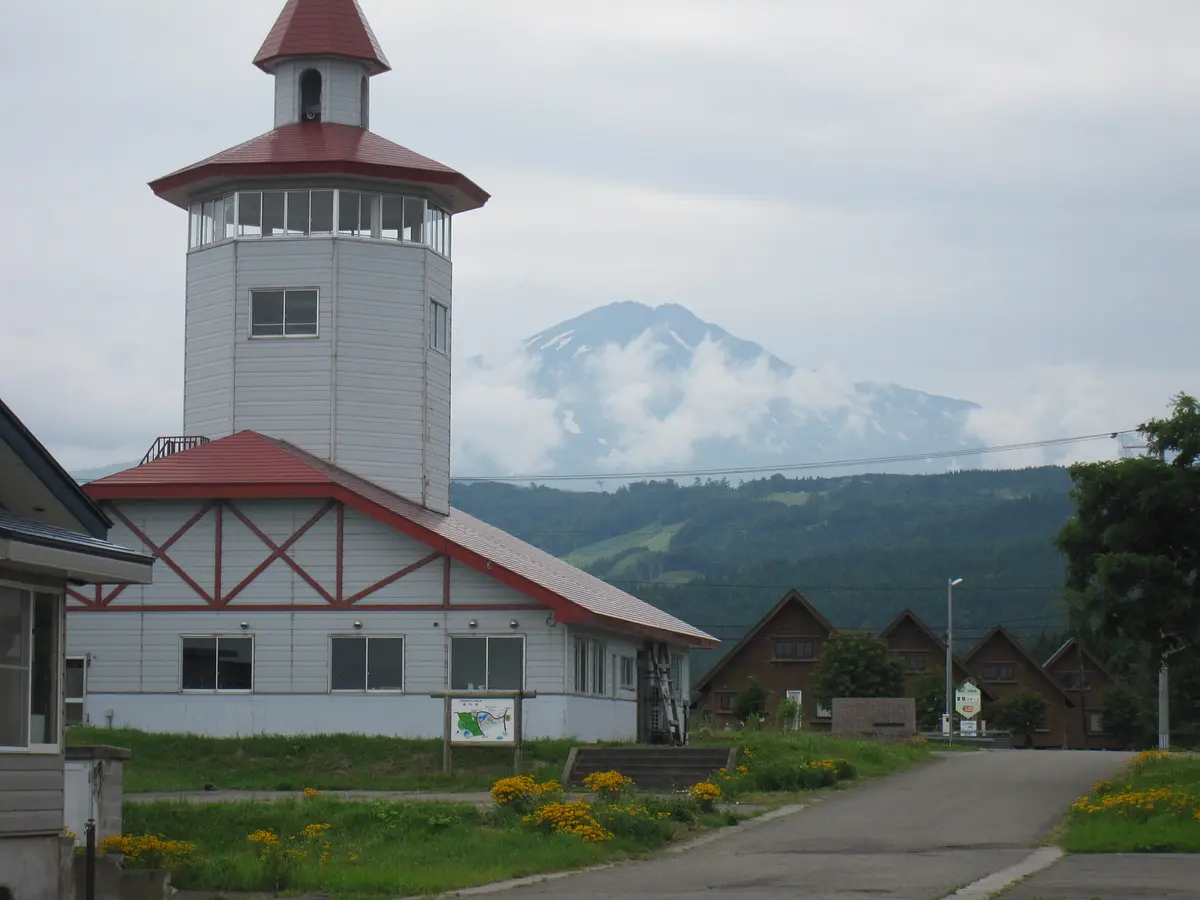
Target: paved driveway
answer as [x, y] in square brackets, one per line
[913, 836]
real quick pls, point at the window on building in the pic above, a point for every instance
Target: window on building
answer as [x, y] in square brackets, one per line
[589, 666]
[914, 662]
[414, 220]
[1070, 681]
[1095, 722]
[30, 632]
[628, 673]
[999, 672]
[439, 326]
[366, 663]
[310, 95]
[795, 648]
[726, 702]
[274, 204]
[487, 663]
[823, 712]
[284, 313]
[364, 102]
[298, 209]
[392, 218]
[217, 664]
[321, 212]
[74, 690]
[249, 213]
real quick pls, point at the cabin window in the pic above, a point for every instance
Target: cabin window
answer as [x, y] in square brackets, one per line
[215, 663]
[310, 95]
[487, 663]
[628, 673]
[75, 690]
[366, 663]
[1000, 672]
[726, 702]
[30, 637]
[439, 326]
[589, 666]
[290, 313]
[823, 711]
[914, 662]
[1095, 722]
[1070, 681]
[795, 648]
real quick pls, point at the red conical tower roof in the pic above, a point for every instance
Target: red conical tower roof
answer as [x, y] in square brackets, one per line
[322, 28]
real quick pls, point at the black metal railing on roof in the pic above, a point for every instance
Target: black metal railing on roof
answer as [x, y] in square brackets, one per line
[165, 446]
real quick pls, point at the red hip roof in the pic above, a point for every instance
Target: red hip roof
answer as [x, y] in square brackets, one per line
[322, 28]
[321, 148]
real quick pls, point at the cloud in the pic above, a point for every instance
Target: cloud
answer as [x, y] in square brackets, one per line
[498, 421]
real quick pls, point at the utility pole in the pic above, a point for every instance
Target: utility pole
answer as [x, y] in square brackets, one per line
[1082, 700]
[949, 719]
[1164, 708]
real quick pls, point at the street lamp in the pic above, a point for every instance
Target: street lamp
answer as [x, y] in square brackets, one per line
[950, 583]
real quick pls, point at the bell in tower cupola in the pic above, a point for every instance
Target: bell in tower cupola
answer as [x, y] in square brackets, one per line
[322, 54]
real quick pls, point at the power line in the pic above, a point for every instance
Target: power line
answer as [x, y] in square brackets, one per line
[939, 588]
[803, 466]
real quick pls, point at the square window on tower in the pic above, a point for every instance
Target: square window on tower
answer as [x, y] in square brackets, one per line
[284, 313]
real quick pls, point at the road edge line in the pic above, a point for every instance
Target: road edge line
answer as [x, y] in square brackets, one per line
[993, 884]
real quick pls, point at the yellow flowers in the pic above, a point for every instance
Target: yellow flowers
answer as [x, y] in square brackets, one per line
[609, 785]
[264, 837]
[311, 792]
[824, 764]
[312, 832]
[521, 790]
[570, 817]
[1138, 804]
[148, 851]
[705, 790]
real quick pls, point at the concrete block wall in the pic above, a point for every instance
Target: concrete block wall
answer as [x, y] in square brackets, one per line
[890, 718]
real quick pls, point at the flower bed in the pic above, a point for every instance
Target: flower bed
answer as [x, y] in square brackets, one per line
[1153, 806]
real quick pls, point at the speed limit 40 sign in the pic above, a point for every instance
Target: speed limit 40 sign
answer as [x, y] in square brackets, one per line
[966, 700]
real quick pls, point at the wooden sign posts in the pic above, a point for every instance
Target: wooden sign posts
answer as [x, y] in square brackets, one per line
[481, 719]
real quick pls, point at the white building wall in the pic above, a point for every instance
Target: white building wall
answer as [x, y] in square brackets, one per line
[134, 670]
[367, 393]
[134, 646]
[208, 344]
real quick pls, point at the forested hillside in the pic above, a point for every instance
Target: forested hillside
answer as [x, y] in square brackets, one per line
[861, 547]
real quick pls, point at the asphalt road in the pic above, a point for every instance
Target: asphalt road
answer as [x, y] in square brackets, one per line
[914, 836]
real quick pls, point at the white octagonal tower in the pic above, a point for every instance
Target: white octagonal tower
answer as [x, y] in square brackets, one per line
[319, 279]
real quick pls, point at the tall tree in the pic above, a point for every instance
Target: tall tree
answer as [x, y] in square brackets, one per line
[1133, 545]
[1023, 713]
[858, 664]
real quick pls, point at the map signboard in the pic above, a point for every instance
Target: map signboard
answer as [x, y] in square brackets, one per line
[967, 700]
[482, 721]
[968, 726]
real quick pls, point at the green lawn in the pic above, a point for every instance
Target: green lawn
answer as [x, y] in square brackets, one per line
[372, 849]
[180, 762]
[183, 762]
[1152, 807]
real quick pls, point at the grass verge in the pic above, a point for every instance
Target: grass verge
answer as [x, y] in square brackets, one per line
[370, 849]
[185, 762]
[1153, 807]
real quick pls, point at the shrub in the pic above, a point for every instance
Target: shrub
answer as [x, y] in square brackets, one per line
[784, 777]
[648, 825]
[148, 851]
[706, 794]
[570, 817]
[845, 770]
[608, 786]
[522, 793]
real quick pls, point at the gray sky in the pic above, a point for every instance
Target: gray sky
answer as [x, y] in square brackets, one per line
[993, 201]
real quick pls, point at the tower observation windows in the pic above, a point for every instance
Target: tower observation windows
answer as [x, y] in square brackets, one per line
[319, 213]
[284, 313]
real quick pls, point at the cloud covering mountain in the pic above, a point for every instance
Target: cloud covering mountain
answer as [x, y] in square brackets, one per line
[629, 387]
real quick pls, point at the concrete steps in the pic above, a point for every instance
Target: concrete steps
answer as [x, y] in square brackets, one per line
[651, 768]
